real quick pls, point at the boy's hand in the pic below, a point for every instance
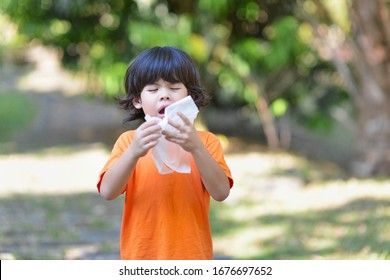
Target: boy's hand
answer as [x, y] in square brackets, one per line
[187, 137]
[146, 137]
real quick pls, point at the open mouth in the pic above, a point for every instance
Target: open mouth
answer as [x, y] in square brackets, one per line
[162, 111]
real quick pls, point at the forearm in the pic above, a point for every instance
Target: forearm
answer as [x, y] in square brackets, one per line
[115, 180]
[213, 176]
[116, 177]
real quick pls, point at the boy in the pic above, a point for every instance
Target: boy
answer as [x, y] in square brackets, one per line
[165, 215]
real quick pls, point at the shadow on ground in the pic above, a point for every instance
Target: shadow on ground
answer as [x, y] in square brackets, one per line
[358, 229]
[84, 226]
[71, 226]
[80, 226]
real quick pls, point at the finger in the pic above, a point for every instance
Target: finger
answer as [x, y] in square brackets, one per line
[176, 125]
[154, 128]
[150, 144]
[151, 137]
[180, 126]
[150, 123]
[184, 118]
[171, 137]
[176, 140]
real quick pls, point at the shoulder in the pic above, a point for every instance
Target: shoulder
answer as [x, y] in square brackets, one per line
[126, 136]
[124, 140]
[206, 135]
[209, 139]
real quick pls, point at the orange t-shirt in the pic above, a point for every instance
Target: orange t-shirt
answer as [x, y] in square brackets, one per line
[166, 216]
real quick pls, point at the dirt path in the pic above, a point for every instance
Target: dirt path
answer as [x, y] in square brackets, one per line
[49, 207]
[52, 164]
[48, 201]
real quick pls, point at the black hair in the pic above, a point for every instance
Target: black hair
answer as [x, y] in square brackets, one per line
[168, 63]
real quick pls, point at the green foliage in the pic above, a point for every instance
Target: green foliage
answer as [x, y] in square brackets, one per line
[251, 50]
[279, 107]
[16, 112]
[244, 48]
[112, 77]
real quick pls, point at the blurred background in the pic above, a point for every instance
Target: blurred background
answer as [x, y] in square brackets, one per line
[301, 103]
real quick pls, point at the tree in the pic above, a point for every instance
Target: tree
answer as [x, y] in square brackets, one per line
[359, 47]
[243, 47]
[371, 37]
[276, 58]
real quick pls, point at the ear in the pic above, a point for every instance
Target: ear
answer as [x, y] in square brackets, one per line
[137, 103]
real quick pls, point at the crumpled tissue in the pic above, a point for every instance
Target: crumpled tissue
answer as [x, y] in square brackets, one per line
[169, 156]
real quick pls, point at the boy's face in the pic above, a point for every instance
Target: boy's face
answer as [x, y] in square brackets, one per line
[156, 97]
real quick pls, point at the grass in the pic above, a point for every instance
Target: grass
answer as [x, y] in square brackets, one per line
[16, 112]
[356, 230]
[301, 216]
[53, 226]
[281, 207]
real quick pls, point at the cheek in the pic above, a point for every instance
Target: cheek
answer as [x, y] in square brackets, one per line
[184, 93]
[149, 105]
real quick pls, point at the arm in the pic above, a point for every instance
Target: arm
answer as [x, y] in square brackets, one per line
[115, 179]
[213, 176]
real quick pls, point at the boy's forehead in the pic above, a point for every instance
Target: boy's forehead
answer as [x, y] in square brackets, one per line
[162, 81]
[167, 76]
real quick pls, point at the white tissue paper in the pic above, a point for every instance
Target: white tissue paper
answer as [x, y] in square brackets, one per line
[169, 156]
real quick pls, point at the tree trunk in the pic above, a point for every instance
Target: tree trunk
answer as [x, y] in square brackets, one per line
[371, 36]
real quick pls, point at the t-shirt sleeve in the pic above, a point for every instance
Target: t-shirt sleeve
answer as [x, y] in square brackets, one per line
[120, 146]
[214, 147]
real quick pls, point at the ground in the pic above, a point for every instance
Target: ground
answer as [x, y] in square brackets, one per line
[282, 206]
[50, 207]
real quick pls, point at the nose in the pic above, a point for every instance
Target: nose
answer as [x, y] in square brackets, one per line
[165, 94]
